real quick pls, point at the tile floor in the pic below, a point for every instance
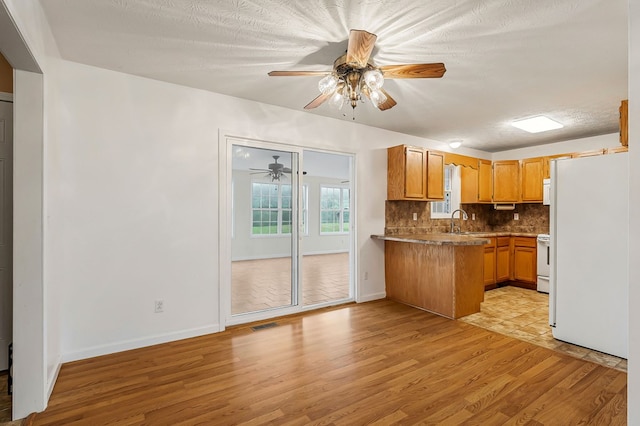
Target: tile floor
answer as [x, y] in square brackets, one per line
[266, 283]
[524, 314]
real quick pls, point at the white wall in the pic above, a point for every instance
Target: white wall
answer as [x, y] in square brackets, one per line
[133, 202]
[245, 246]
[633, 378]
[611, 140]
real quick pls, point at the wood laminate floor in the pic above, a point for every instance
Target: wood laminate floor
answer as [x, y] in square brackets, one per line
[358, 364]
[524, 314]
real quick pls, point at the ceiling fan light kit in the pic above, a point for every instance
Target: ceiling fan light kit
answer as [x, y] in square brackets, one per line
[275, 170]
[355, 77]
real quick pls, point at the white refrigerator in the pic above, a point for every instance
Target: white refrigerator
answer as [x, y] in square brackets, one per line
[589, 278]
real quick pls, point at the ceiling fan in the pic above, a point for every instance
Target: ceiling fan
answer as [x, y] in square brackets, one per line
[355, 76]
[275, 170]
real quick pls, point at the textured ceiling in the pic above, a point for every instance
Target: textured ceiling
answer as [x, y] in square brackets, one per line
[505, 59]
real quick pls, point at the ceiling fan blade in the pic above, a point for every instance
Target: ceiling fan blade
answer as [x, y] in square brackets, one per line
[388, 104]
[317, 101]
[297, 73]
[286, 170]
[436, 70]
[360, 47]
[260, 170]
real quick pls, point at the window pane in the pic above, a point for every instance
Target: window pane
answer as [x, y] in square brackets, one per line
[286, 221]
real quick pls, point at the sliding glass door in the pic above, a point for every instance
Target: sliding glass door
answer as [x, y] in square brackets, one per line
[264, 245]
[291, 230]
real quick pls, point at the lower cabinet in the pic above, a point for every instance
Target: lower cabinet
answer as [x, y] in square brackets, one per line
[510, 259]
[524, 261]
[502, 259]
[490, 264]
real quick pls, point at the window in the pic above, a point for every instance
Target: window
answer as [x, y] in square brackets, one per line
[271, 208]
[443, 209]
[334, 210]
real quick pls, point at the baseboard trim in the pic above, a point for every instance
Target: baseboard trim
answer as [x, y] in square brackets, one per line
[371, 297]
[139, 343]
[53, 378]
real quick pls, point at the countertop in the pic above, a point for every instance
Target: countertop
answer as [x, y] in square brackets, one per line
[437, 239]
[462, 239]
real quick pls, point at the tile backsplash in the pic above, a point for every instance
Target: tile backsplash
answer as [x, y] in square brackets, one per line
[533, 218]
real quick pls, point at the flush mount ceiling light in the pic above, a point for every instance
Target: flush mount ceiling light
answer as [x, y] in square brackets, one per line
[537, 124]
[455, 144]
[355, 78]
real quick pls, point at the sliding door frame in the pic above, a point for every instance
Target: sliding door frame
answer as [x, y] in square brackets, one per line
[225, 172]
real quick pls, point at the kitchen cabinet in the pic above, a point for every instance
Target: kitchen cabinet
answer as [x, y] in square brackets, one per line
[485, 181]
[531, 172]
[414, 174]
[524, 261]
[624, 123]
[503, 250]
[546, 169]
[617, 149]
[506, 181]
[468, 185]
[435, 175]
[490, 264]
[588, 153]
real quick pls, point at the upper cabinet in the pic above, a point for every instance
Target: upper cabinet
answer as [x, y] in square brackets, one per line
[435, 175]
[485, 181]
[414, 174]
[624, 123]
[468, 185]
[532, 174]
[506, 181]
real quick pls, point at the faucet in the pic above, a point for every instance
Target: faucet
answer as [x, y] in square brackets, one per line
[463, 214]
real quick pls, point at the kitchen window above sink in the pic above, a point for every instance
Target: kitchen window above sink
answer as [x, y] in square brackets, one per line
[443, 209]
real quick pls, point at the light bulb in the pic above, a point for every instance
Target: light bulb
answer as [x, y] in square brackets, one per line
[455, 144]
[328, 84]
[337, 100]
[374, 79]
[377, 97]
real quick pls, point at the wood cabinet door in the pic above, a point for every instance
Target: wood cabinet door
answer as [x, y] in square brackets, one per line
[435, 175]
[485, 181]
[506, 181]
[490, 263]
[502, 263]
[468, 185]
[524, 262]
[415, 173]
[624, 123]
[532, 172]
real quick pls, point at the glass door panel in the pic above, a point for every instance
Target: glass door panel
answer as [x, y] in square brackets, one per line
[327, 239]
[265, 231]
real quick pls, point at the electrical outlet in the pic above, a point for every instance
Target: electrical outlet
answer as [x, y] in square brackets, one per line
[473, 216]
[516, 216]
[366, 274]
[415, 216]
[159, 306]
